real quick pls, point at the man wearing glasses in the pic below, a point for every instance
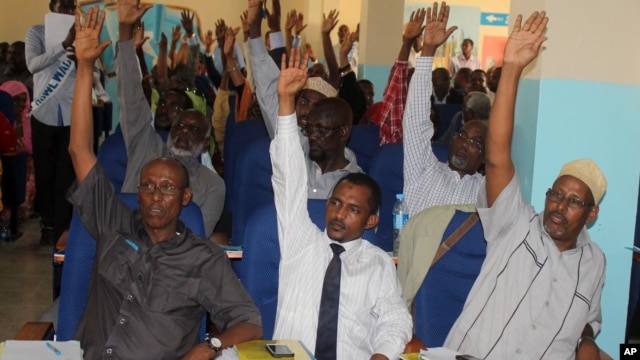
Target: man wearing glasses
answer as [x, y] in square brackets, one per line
[153, 279]
[189, 132]
[538, 293]
[427, 181]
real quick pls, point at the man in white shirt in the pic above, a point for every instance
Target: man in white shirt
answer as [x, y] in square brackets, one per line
[372, 318]
[466, 59]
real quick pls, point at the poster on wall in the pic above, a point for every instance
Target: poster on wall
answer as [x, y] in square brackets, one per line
[492, 51]
[466, 18]
[160, 18]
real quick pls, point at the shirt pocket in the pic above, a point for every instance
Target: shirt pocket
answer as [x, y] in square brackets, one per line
[117, 265]
[179, 299]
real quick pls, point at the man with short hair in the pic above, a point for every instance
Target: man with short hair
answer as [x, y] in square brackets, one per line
[476, 106]
[538, 293]
[153, 279]
[16, 68]
[443, 93]
[466, 59]
[428, 182]
[367, 318]
[189, 134]
[53, 72]
[322, 174]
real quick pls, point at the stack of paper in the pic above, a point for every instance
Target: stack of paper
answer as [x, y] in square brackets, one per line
[20, 350]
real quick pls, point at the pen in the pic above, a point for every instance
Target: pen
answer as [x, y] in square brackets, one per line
[56, 351]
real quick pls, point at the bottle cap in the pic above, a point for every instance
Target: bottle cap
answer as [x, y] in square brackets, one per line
[399, 196]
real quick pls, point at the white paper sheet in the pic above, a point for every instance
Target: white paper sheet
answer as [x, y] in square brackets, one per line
[56, 28]
[20, 350]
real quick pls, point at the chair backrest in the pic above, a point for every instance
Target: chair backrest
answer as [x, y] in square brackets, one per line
[112, 155]
[252, 185]
[78, 264]
[261, 258]
[447, 111]
[237, 137]
[364, 143]
[441, 296]
[386, 169]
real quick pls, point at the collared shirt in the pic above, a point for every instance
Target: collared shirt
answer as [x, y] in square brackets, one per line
[373, 317]
[44, 64]
[266, 77]
[530, 300]
[428, 182]
[393, 101]
[144, 145]
[460, 62]
[146, 301]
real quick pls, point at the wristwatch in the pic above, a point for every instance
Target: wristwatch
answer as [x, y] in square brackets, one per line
[213, 343]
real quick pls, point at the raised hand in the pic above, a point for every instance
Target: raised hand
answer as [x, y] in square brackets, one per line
[329, 22]
[300, 25]
[221, 28]
[245, 24]
[130, 11]
[413, 29]
[254, 12]
[525, 40]
[176, 34]
[209, 40]
[138, 36]
[291, 21]
[163, 40]
[88, 46]
[435, 31]
[293, 76]
[308, 49]
[347, 44]
[186, 19]
[229, 41]
[273, 16]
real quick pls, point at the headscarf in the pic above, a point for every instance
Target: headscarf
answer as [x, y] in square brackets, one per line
[15, 88]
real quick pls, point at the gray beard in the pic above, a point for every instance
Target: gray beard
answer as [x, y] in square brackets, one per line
[458, 163]
[194, 153]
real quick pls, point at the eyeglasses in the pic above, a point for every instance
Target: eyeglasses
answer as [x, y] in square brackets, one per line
[194, 129]
[169, 107]
[557, 197]
[309, 131]
[473, 143]
[165, 189]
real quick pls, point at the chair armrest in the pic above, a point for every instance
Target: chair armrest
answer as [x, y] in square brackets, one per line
[414, 345]
[36, 331]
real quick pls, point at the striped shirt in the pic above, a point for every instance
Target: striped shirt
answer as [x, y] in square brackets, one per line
[428, 182]
[530, 301]
[373, 316]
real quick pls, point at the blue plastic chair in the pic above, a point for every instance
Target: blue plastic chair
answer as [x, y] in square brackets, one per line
[364, 143]
[261, 258]
[441, 296]
[78, 264]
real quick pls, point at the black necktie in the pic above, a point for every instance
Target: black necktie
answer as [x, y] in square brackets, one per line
[327, 335]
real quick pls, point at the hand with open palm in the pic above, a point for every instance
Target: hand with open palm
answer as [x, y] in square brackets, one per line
[435, 30]
[525, 40]
[88, 46]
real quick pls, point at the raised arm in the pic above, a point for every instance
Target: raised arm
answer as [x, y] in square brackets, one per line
[88, 49]
[521, 49]
[328, 24]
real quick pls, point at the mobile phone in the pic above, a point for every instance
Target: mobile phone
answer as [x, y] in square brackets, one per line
[279, 350]
[466, 357]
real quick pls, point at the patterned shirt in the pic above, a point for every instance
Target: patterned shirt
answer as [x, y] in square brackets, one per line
[428, 182]
[394, 98]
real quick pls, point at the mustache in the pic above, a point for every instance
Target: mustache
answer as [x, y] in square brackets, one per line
[558, 213]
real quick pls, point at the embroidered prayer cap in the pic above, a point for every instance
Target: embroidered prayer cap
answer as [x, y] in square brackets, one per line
[589, 173]
[321, 86]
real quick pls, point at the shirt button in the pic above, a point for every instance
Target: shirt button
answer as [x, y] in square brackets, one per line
[546, 303]
[533, 326]
[129, 297]
[315, 190]
[554, 279]
[109, 351]
[518, 351]
[123, 321]
[140, 277]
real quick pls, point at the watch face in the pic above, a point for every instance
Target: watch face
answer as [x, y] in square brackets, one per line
[215, 342]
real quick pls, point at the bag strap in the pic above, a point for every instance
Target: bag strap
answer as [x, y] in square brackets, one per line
[450, 241]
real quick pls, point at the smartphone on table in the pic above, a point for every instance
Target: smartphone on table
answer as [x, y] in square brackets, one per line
[280, 350]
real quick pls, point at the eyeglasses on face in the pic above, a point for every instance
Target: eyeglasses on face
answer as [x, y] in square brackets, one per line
[473, 143]
[557, 197]
[170, 107]
[194, 129]
[165, 189]
[320, 132]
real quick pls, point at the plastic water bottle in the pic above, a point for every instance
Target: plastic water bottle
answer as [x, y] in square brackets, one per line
[400, 217]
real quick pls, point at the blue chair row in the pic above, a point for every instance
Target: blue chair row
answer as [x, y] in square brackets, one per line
[261, 257]
[387, 169]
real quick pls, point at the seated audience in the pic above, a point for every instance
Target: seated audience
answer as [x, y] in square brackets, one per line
[462, 80]
[357, 311]
[150, 289]
[493, 78]
[443, 93]
[16, 68]
[476, 106]
[538, 293]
